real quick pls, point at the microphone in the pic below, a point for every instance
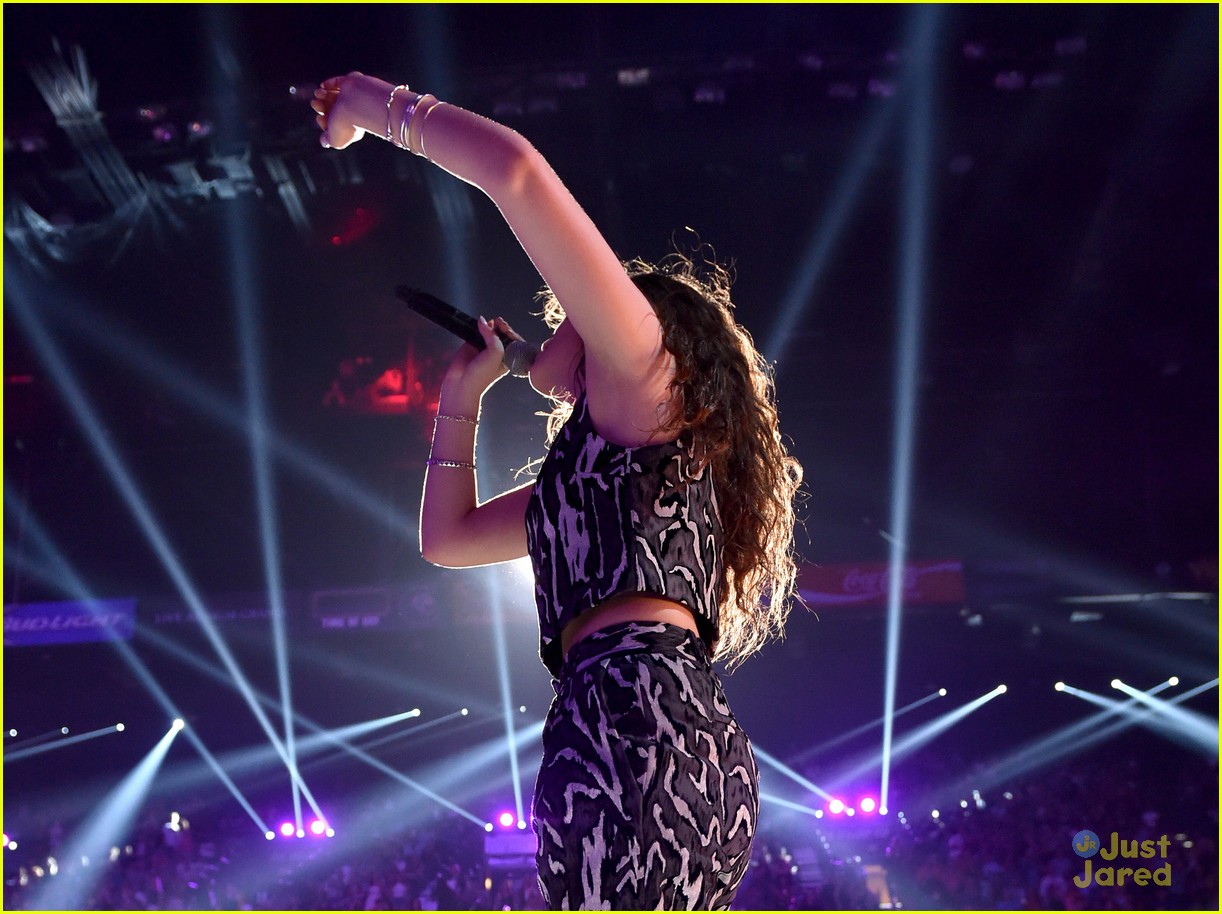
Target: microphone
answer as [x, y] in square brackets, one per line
[519, 354]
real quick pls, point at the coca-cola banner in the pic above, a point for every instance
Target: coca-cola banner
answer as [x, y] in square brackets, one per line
[70, 622]
[867, 584]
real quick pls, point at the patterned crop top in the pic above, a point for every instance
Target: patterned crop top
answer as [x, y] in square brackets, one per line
[605, 519]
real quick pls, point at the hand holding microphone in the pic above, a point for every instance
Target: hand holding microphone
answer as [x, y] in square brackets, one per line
[519, 354]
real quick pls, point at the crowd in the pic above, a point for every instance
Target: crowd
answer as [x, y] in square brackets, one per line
[1008, 850]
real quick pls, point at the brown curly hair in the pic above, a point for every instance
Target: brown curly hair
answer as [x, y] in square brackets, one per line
[723, 394]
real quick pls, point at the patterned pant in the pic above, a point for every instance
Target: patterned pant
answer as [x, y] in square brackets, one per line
[647, 797]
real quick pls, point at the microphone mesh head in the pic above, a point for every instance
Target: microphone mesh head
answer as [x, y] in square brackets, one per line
[519, 356]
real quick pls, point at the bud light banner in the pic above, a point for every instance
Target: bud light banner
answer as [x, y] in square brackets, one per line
[71, 622]
[868, 584]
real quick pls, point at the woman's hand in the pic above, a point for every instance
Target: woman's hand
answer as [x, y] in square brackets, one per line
[472, 371]
[344, 105]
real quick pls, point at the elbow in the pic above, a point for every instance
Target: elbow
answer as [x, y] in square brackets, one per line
[518, 167]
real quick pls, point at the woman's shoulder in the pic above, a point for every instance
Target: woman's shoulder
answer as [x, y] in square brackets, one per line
[630, 414]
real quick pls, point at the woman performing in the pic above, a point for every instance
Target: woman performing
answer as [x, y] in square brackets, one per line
[660, 525]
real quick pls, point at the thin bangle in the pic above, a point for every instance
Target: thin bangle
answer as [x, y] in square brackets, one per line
[466, 419]
[457, 464]
[390, 101]
[424, 122]
[405, 122]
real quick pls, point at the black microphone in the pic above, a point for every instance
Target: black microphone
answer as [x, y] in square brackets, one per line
[519, 354]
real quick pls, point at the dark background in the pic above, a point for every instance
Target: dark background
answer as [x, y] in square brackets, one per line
[1066, 435]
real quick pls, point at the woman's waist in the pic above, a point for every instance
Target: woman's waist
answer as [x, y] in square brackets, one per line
[630, 607]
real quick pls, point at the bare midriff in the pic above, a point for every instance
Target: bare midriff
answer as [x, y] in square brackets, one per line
[631, 607]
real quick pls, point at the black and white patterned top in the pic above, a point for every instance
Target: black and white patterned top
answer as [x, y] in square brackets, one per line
[605, 520]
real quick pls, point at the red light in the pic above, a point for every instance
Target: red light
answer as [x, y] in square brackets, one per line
[335, 239]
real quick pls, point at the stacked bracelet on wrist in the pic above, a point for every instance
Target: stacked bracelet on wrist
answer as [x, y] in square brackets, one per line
[390, 101]
[421, 104]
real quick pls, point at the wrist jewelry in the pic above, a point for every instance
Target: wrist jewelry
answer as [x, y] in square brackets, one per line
[405, 122]
[390, 101]
[424, 121]
[459, 464]
[466, 419]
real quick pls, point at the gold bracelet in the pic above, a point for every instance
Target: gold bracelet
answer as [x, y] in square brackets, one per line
[466, 419]
[405, 123]
[424, 121]
[459, 464]
[390, 101]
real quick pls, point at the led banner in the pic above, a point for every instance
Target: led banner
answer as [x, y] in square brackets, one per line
[70, 622]
[867, 584]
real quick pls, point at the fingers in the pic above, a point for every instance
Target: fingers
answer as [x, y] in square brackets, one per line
[501, 324]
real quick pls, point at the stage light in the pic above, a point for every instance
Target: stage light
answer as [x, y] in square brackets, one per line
[818, 813]
[506, 819]
[12, 845]
[488, 826]
[1060, 687]
[178, 723]
[12, 732]
[269, 835]
[521, 824]
[63, 730]
[464, 712]
[317, 827]
[1174, 680]
[118, 728]
[850, 811]
[521, 709]
[942, 692]
[330, 832]
[934, 814]
[867, 804]
[1001, 689]
[286, 829]
[835, 807]
[301, 833]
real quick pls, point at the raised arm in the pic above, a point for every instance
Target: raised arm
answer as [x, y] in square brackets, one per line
[620, 332]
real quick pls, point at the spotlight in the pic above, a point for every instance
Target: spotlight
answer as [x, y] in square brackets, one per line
[1060, 687]
[934, 814]
[330, 832]
[317, 827]
[882, 810]
[301, 833]
[1001, 689]
[506, 819]
[12, 732]
[850, 811]
[118, 728]
[867, 804]
[835, 807]
[942, 692]
[818, 813]
[1174, 680]
[178, 723]
[521, 824]
[286, 829]
[269, 835]
[487, 826]
[464, 712]
[1115, 683]
[63, 730]
[522, 708]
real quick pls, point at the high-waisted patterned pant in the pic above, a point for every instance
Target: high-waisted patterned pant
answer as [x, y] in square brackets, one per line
[648, 794]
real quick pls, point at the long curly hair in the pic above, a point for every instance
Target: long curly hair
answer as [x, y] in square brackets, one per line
[724, 402]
